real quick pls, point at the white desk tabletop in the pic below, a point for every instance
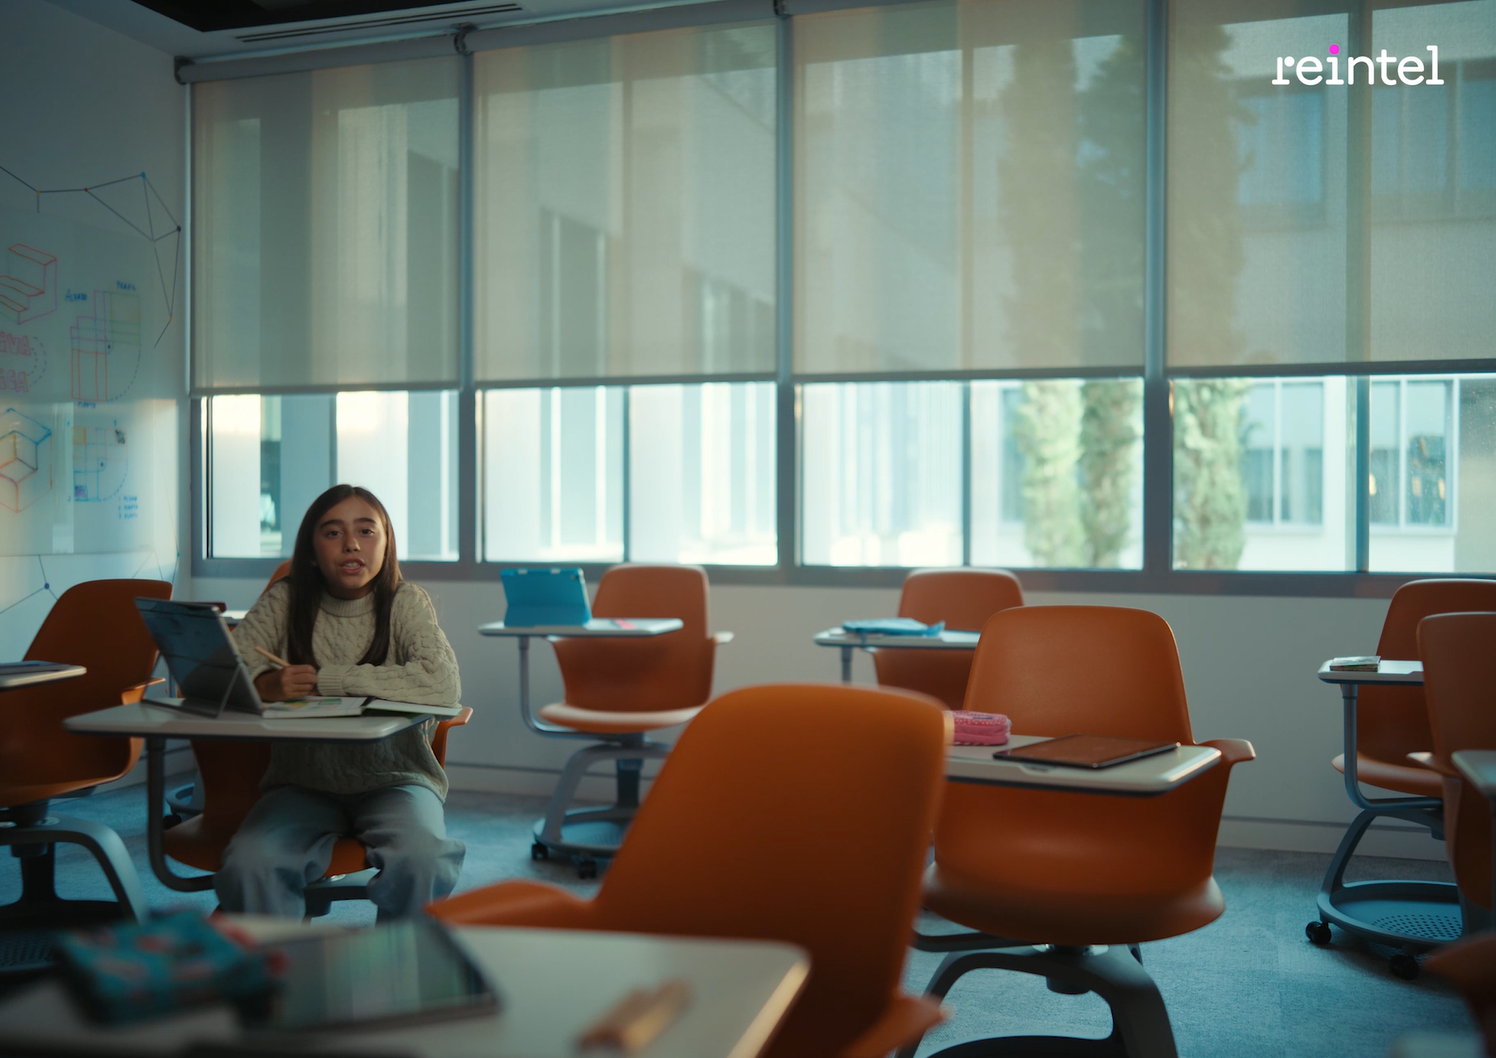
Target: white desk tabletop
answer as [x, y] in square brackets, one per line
[1479, 766]
[597, 628]
[551, 983]
[950, 639]
[1388, 671]
[35, 673]
[154, 721]
[1146, 777]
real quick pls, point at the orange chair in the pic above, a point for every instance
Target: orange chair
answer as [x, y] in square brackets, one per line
[963, 599]
[96, 625]
[1470, 966]
[618, 690]
[229, 774]
[1392, 722]
[798, 813]
[1043, 876]
[1455, 648]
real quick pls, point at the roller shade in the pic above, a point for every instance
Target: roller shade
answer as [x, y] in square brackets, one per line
[325, 235]
[969, 188]
[1323, 224]
[624, 207]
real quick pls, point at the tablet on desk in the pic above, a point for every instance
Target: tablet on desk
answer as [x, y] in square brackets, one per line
[402, 972]
[1085, 751]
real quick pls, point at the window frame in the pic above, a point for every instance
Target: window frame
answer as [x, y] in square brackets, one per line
[1157, 575]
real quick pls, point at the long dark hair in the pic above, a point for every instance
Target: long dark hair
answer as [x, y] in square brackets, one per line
[307, 583]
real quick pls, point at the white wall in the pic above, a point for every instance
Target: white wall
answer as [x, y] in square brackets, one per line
[1248, 664]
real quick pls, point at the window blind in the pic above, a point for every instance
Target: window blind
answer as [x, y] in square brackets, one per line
[969, 187]
[625, 207]
[1363, 215]
[325, 234]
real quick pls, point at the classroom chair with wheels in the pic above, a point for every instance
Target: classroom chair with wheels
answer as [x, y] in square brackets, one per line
[1392, 722]
[230, 772]
[963, 599]
[619, 690]
[798, 813]
[1456, 653]
[93, 624]
[1068, 885]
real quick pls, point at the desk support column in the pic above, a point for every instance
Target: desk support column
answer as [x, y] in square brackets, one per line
[155, 796]
[846, 653]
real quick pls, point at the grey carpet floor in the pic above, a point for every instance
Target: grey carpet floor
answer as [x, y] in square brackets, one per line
[1248, 984]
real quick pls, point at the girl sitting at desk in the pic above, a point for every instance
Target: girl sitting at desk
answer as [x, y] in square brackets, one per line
[350, 626]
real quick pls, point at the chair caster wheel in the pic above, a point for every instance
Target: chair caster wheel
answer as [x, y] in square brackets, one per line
[1403, 965]
[1318, 932]
[539, 852]
[586, 867]
[171, 820]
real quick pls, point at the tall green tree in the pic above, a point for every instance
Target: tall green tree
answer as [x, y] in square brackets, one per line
[1205, 248]
[1110, 429]
[1038, 109]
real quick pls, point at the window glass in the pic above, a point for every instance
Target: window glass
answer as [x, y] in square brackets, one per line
[702, 474]
[270, 457]
[881, 474]
[553, 474]
[1056, 473]
[1262, 471]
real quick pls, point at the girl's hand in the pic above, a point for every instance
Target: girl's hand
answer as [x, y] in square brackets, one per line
[293, 681]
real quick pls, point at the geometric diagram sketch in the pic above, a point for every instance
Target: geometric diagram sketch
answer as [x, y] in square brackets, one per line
[111, 333]
[29, 287]
[100, 461]
[25, 460]
[151, 220]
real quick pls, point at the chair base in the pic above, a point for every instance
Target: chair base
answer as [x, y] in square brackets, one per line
[1140, 1022]
[589, 834]
[1411, 916]
[26, 924]
[321, 893]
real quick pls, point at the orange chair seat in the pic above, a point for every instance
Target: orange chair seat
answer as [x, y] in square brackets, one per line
[1421, 782]
[1084, 914]
[200, 843]
[611, 722]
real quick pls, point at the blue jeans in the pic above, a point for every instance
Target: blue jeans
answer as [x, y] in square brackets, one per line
[286, 842]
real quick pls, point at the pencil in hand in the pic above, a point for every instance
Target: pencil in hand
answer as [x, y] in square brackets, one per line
[274, 659]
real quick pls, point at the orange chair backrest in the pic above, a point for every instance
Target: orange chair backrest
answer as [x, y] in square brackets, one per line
[962, 598]
[1456, 652]
[282, 571]
[796, 812]
[1096, 670]
[93, 624]
[672, 671]
[1392, 722]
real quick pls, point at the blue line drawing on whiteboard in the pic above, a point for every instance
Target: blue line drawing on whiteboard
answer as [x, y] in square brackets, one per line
[25, 460]
[101, 458]
[155, 230]
[28, 289]
[106, 337]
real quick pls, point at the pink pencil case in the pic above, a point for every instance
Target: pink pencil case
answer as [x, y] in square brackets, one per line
[980, 729]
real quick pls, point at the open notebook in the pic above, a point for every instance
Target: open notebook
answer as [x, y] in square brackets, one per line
[314, 706]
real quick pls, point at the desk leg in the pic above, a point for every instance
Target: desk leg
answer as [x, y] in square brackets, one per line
[846, 653]
[155, 795]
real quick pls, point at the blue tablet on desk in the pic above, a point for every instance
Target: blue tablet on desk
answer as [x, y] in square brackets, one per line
[544, 597]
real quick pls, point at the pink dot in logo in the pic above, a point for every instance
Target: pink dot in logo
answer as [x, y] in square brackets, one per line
[1334, 49]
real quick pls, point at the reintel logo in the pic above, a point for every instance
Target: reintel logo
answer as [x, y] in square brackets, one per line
[1409, 68]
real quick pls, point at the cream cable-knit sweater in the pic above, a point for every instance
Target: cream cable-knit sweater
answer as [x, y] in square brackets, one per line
[421, 668]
